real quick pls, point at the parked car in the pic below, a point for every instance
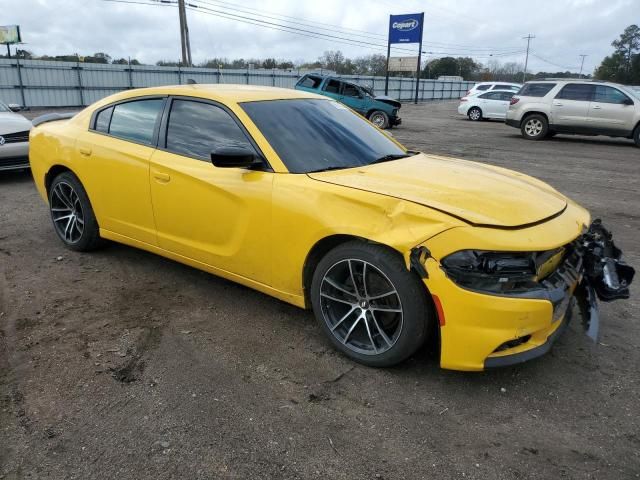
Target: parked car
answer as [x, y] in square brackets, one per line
[14, 139]
[544, 108]
[382, 111]
[296, 196]
[485, 86]
[481, 105]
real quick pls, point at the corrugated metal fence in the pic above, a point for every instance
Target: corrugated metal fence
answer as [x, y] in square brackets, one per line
[41, 83]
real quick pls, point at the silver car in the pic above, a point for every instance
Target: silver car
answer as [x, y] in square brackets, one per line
[14, 139]
[543, 108]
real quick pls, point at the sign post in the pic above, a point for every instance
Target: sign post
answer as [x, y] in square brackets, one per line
[405, 29]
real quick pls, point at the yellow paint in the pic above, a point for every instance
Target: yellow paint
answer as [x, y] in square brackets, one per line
[257, 228]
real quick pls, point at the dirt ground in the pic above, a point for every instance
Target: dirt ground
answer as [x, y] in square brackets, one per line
[122, 365]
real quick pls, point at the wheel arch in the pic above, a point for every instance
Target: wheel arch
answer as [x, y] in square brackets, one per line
[321, 248]
[53, 172]
[536, 112]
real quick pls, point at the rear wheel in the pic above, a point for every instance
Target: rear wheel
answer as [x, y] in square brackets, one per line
[73, 219]
[475, 114]
[534, 127]
[369, 305]
[380, 119]
[636, 136]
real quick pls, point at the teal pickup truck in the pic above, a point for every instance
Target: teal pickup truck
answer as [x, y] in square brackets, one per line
[380, 110]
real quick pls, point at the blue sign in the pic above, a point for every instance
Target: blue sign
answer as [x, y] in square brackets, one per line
[406, 28]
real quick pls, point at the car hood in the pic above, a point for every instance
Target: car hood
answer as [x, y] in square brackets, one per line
[477, 193]
[388, 100]
[12, 122]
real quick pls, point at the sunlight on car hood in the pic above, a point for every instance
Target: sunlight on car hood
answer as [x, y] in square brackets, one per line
[478, 193]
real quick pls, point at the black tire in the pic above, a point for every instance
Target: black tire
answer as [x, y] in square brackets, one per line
[72, 215]
[636, 136]
[379, 118]
[384, 330]
[475, 114]
[534, 127]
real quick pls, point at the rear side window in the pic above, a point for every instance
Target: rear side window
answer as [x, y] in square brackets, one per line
[350, 90]
[136, 121]
[491, 96]
[310, 82]
[195, 129]
[536, 89]
[483, 87]
[103, 119]
[604, 94]
[576, 91]
[332, 86]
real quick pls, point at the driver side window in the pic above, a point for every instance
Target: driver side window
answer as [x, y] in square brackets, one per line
[195, 129]
[351, 90]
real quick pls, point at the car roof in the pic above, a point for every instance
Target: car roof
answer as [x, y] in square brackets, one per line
[224, 93]
[496, 82]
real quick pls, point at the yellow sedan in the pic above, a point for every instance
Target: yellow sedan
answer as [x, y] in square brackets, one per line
[298, 197]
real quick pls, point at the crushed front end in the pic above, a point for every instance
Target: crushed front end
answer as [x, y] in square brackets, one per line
[500, 307]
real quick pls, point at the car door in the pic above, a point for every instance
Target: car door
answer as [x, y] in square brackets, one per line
[218, 216]
[114, 155]
[353, 98]
[489, 104]
[570, 107]
[611, 110]
[332, 88]
[502, 100]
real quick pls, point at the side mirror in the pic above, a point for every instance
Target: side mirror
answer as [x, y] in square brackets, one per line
[234, 157]
[14, 107]
[627, 101]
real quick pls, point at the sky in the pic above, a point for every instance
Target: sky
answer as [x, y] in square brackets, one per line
[491, 29]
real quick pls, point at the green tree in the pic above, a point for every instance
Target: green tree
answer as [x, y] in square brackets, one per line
[623, 65]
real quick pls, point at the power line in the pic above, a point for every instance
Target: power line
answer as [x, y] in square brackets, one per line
[553, 63]
[302, 32]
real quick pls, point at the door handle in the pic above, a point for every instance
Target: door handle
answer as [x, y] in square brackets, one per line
[162, 177]
[86, 151]
[557, 104]
[597, 107]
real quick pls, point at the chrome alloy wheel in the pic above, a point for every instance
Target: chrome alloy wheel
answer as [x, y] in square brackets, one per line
[533, 127]
[378, 120]
[474, 114]
[361, 307]
[66, 212]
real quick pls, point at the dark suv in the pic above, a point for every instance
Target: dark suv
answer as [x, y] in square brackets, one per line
[380, 110]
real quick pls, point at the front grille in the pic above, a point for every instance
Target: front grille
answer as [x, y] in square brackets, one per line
[16, 137]
[16, 162]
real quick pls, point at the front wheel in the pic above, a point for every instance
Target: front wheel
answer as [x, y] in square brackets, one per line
[73, 219]
[534, 127]
[380, 119]
[636, 136]
[475, 114]
[369, 305]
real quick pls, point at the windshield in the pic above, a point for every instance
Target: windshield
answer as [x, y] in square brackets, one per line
[312, 135]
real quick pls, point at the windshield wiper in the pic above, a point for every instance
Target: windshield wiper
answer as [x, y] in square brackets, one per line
[394, 156]
[327, 169]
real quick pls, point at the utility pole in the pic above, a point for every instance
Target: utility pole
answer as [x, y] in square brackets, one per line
[184, 34]
[526, 59]
[581, 64]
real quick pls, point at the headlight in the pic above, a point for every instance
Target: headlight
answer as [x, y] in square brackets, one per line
[492, 272]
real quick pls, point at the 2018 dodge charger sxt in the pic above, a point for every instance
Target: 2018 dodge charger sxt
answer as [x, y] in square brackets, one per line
[293, 194]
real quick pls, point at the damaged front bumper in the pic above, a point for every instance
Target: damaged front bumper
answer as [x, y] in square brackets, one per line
[592, 269]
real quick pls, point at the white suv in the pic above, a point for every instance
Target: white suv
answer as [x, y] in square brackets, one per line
[544, 108]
